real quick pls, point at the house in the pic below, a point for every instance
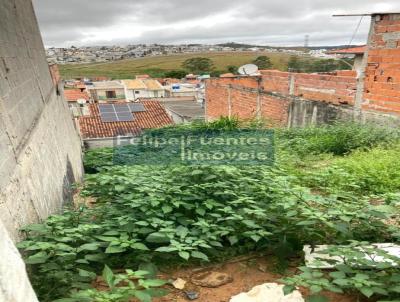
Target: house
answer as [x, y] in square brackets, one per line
[143, 89]
[354, 52]
[101, 129]
[184, 90]
[106, 91]
[77, 101]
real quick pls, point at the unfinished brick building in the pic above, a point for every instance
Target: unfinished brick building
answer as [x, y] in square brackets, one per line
[297, 99]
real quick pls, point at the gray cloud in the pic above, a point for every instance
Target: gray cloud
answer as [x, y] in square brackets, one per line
[274, 22]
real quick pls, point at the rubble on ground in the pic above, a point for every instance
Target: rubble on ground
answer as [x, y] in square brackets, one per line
[268, 292]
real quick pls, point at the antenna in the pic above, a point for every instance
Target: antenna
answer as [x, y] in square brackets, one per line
[307, 41]
[248, 69]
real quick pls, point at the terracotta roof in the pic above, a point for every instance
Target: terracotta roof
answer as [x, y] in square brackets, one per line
[352, 50]
[134, 84]
[155, 116]
[72, 95]
[100, 78]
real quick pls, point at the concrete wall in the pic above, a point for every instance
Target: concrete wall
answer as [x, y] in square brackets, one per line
[14, 283]
[40, 151]
[39, 146]
[96, 143]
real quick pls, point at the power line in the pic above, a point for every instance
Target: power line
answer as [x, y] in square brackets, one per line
[356, 30]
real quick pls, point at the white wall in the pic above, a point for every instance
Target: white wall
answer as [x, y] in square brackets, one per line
[131, 95]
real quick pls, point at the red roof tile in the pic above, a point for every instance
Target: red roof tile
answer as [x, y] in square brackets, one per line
[352, 50]
[227, 75]
[72, 95]
[155, 116]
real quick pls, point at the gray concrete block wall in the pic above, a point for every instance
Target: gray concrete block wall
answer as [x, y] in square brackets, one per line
[40, 150]
[14, 284]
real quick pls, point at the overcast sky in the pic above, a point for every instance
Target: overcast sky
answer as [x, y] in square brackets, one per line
[264, 22]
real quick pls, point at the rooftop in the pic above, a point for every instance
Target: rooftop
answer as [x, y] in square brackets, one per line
[108, 85]
[139, 84]
[351, 50]
[134, 84]
[92, 126]
[185, 108]
[153, 84]
[72, 95]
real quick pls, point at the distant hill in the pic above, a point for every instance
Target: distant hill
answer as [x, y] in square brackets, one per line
[158, 65]
[247, 46]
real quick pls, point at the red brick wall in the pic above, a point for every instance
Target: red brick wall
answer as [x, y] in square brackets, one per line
[244, 104]
[326, 88]
[276, 81]
[275, 110]
[217, 100]
[276, 90]
[244, 100]
[382, 83]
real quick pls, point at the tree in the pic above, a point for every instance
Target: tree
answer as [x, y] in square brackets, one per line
[263, 62]
[294, 64]
[233, 69]
[216, 73]
[175, 74]
[198, 65]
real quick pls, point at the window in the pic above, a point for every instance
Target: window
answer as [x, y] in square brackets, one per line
[111, 94]
[137, 92]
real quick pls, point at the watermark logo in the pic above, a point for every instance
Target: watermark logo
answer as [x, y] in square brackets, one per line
[236, 147]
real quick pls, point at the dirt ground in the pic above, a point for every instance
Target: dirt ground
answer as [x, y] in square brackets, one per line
[246, 274]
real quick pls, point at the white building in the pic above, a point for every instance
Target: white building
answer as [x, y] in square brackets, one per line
[143, 89]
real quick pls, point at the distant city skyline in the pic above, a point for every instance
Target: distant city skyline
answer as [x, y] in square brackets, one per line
[275, 23]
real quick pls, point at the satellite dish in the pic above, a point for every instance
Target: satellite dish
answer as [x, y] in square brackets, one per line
[248, 69]
[81, 101]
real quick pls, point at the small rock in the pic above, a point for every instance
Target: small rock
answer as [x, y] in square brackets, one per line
[211, 279]
[314, 257]
[263, 268]
[192, 295]
[268, 292]
[179, 283]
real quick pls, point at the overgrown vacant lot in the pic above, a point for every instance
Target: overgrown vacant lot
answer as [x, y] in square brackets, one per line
[336, 185]
[156, 66]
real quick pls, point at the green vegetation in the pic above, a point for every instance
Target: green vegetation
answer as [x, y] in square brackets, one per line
[336, 184]
[198, 65]
[175, 74]
[263, 62]
[357, 271]
[121, 288]
[158, 66]
[297, 64]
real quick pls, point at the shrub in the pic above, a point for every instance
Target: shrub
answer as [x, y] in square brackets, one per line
[337, 139]
[365, 270]
[376, 171]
